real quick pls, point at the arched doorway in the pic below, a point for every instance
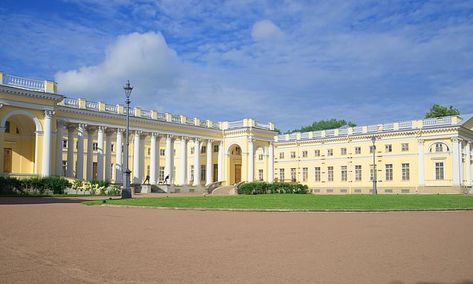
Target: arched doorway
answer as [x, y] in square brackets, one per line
[19, 147]
[235, 168]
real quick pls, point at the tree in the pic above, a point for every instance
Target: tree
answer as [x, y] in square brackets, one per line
[323, 125]
[440, 111]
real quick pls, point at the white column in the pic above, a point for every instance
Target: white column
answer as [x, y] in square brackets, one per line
[420, 161]
[108, 156]
[251, 160]
[183, 162]
[168, 167]
[456, 161]
[270, 162]
[100, 152]
[59, 134]
[47, 131]
[196, 162]
[119, 156]
[70, 151]
[208, 171]
[152, 162]
[468, 163]
[90, 154]
[136, 157]
[220, 162]
[80, 151]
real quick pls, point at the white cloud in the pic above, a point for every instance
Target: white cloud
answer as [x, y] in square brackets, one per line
[266, 30]
[144, 59]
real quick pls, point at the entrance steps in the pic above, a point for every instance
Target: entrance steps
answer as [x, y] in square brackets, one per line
[163, 188]
[225, 190]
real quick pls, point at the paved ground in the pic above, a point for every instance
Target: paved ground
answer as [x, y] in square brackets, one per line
[62, 241]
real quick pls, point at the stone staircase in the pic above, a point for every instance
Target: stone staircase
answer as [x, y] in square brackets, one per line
[225, 190]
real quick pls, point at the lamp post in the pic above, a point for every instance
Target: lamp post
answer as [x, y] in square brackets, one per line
[126, 192]
[375, 178]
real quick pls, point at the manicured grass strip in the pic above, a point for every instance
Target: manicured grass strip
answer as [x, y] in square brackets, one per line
[304, 202]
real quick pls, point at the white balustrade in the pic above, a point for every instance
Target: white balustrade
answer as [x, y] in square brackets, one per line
[25, 83]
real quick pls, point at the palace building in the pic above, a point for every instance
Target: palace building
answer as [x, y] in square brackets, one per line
[45, 133]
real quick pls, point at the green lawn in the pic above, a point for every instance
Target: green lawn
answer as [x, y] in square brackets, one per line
[304, 202]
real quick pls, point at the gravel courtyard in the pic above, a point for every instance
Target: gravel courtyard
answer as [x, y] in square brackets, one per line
[59, 240]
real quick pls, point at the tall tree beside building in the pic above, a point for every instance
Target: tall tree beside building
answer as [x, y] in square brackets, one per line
[440, 111]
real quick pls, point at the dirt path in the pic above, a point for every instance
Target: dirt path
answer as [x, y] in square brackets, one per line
[62, 241]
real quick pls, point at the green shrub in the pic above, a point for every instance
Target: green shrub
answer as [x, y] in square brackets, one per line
[101, 183]
[36, 185]
[9, 185]
[276, 187]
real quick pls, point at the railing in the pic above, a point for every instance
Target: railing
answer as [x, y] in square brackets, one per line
[372, 128]
[357, 130]
[71, 102]
[330, 133]
[235, 124]
[25, 83]
[262, 125]
[388, 126]
[405, 124]
[146, 113]
[111, 108]
[92, 105]
[161, 116]
[305, 135]
[176, 118]
[437, 121]
[203, 124]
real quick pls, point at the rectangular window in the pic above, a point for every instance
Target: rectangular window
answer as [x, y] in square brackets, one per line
[281, 175]
[405, 147]
[7, 126]
[388, 171]
[330, 152]
[95, 146]
[439, 171]
[305, 174]
[192, 173]
[344, 173]
[405, 171]
[343, 151]
[203, 149]
[203, 170]
[317, 153]
[112, 147]
[260, 157]
[64, 143]
[64, 168]
[162, 152]
[293, 175]
[388, 148]
[260, 175]
[281, 155]
[330, 173]
[317, 173]
[161, 174]
[357, 150]
[293, 155]
[358, 173]
[215, 148]
[304, 154]
[372, 148]
[438, 147]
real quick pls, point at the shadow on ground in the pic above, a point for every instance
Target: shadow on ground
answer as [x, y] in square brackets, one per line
[18, 200]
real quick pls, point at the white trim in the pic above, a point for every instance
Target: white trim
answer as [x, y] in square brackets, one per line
[39, 128]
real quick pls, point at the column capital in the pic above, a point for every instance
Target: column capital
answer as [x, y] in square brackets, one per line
[48, 113]
[197, 139]
[251, 138]
[420, 141]
[102, 128]
[184, 138]
[210, 140]
[120, 130]
[154, 134]
[82, 126]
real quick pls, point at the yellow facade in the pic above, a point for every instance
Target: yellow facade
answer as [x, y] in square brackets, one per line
[44, 133]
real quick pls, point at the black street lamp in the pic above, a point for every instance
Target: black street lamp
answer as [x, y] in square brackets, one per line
[126, 192]
[375, 176]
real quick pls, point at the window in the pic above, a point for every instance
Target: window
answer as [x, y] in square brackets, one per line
[64, 143]
[192, 173]
[388, 148]
[161, 174]
[317, 173]
[330, 173]
[281, 174]
[7, 126]
[344, 173]
[305, 174]
[260, 175]
[405, 171]
[260, 157]
[304, 154]
[215, 148]
[203, 172]
[330, 152]
[95, 146]
[388, 171]
[438, 147]
[293, 154]
[358, 173]
[64, 168]
[293, 174]
[112, 147]
[372, 148]
[343, 151]
[204, 150]
[317, 153]
[162, 152]
[405, 147]
[357, 150]
[281, 155]
[439, 171]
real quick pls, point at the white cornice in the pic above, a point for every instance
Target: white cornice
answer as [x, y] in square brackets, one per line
[34, 94]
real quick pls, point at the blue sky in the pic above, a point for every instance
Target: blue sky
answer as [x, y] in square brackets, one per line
[290, 62]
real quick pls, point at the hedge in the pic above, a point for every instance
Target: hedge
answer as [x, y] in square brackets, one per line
[56, 185]
[269, 188]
